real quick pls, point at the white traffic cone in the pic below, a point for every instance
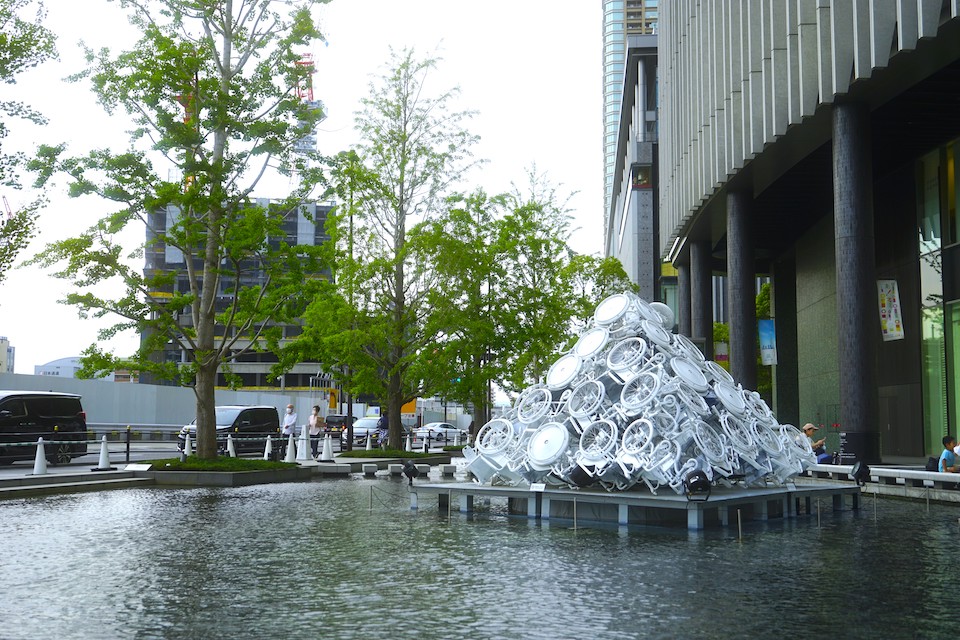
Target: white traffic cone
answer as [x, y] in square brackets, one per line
[327, 454]
[291, 450]
[231, 448]
[104, 464]
[426, 449]
[456, 439]
[268, 448]
[369, 443]
[187, 446]
[409, 443]
[40, 462]
[303, 447]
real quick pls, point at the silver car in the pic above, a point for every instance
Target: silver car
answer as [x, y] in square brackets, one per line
[362, 429]
[441, 433]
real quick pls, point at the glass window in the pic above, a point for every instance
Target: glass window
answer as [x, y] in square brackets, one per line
[13, 408]
[932, 345]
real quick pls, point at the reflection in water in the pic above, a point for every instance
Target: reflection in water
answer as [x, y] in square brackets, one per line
[308, 560]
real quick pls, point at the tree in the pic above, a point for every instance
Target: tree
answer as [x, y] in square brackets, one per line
[511, 293]
[212, 90]
[413, 150]
[462, 245]
[24, 43]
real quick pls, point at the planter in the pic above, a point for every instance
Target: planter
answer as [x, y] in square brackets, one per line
[226, 478]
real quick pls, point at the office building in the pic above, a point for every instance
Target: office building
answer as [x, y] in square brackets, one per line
[816, 142]
[303, 225]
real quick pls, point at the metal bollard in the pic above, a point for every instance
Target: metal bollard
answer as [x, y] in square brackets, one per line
[128, 444]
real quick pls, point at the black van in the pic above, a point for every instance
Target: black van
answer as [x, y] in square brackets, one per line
[249, 426]
[58, 418]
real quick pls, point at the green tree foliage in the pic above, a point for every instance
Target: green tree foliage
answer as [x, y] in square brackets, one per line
[413, 150]
[511, 293]
[211, 88]
[24, 43]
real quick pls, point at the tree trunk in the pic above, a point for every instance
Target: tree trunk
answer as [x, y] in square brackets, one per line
[394, 404]
[206, 412]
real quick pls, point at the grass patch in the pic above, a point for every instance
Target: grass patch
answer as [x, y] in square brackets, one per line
[383, 453]
[223, 463]
[453, 447]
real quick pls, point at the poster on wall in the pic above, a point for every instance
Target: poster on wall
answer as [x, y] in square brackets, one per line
[768, 342]
[891, 320]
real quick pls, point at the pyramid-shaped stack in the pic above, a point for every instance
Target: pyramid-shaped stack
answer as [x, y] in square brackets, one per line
[632, 402]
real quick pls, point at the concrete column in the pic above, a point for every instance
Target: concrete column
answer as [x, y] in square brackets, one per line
[741, 287]
[701, 295]
[857, 323]
[683, 297]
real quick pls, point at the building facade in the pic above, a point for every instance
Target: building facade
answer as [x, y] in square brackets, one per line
[303, 226]
[7, 355]
[621, 18]
[815, 142]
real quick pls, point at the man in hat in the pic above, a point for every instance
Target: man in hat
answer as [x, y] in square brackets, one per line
[816, 445]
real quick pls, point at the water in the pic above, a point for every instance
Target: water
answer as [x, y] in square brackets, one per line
[309, 560]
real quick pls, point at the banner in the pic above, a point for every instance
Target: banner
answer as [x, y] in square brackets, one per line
[768, 342]
[891, 321]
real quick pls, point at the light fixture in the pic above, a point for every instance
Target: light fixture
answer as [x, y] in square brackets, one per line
[860, 472]
[697, 486]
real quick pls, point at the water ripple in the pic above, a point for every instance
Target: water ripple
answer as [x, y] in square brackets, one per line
[348, 559]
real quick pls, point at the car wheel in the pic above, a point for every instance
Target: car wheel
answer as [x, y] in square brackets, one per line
[61, 454]
[440, 437]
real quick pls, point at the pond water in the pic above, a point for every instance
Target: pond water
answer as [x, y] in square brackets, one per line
[348, 558]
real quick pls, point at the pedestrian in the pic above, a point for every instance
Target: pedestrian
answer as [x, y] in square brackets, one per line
[948, 459]
[383, 431]
[314, 424]
[289, 426]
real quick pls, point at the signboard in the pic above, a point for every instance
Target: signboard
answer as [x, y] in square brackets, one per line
[768, 342]
[891, 320]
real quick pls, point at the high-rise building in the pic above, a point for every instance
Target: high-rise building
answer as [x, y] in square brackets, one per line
[304, 225]
[817, 143]
[620, 19]
[7, 353]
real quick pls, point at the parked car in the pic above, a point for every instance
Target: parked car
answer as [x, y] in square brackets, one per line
[249, 426]
[26, 416]
[362, 429]
[442, 433]
[336, 422]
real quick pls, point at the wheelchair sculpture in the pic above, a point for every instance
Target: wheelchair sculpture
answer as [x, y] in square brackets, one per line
[633, 403]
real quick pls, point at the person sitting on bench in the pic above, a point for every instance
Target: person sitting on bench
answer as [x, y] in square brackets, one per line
[818, 449]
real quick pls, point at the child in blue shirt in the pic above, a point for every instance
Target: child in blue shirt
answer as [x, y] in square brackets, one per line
[948, 459]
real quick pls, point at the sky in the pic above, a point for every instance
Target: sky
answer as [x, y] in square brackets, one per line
[529, 68]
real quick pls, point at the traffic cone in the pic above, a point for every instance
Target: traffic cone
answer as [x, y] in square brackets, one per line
[327, 454]
[104, 464]
[409, 443]
[303, 447]
[369, 443]
[40, 462]
[187, 446]
[231, 448]
[268, 448]
[426, 449]
[291, 450]
[456, 439]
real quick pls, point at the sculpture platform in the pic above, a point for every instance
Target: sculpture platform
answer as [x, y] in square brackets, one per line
[641, 507]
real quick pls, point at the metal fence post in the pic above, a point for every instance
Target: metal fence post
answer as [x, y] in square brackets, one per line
[128, 444]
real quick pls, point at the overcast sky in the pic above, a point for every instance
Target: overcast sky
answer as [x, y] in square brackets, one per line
[531, 69]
